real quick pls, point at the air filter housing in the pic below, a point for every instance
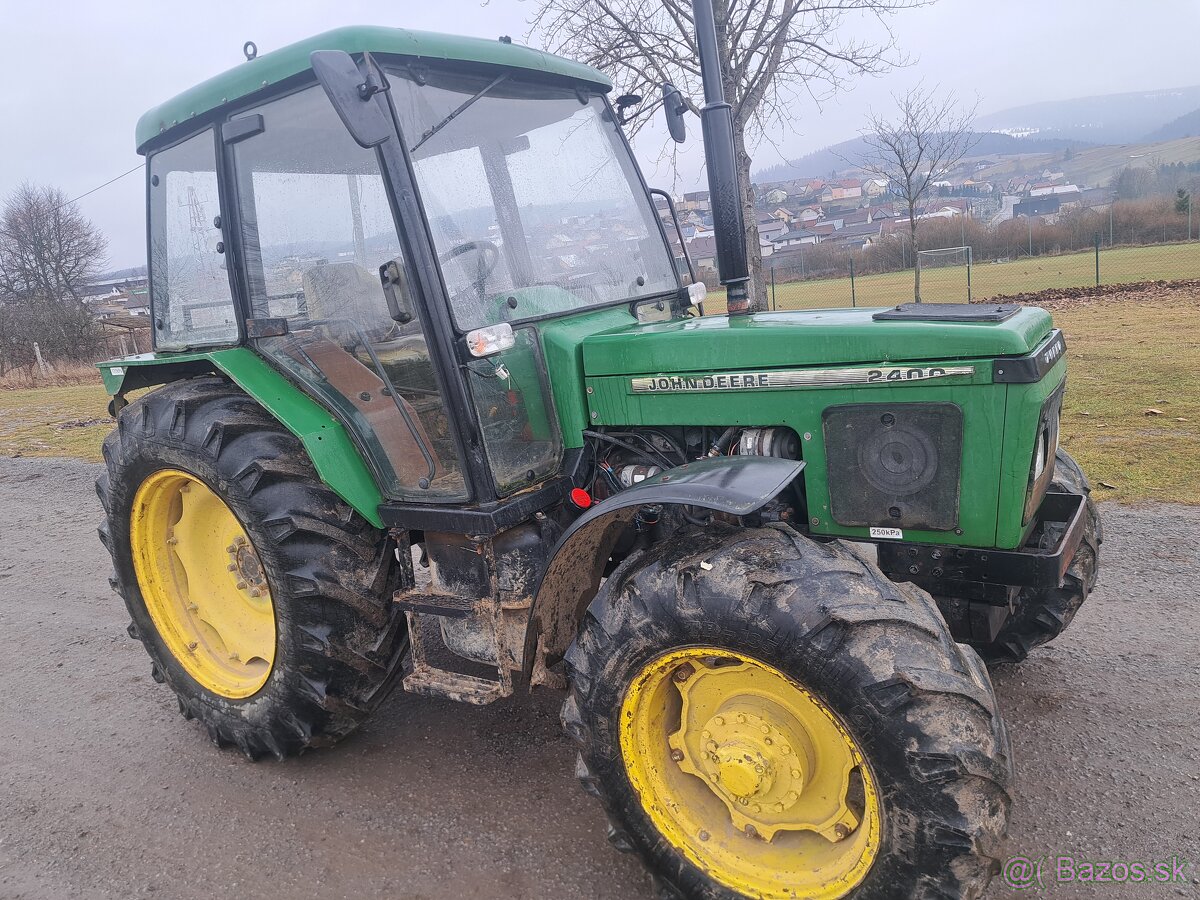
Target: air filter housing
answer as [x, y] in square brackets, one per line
[894, 465]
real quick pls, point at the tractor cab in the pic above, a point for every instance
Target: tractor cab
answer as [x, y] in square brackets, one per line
[391, 250]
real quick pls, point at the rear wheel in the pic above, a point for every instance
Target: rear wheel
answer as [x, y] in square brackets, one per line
[264, 601]
[763, 716]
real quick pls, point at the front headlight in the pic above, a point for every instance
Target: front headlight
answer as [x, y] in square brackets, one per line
[1039, 455]
[1045, 446]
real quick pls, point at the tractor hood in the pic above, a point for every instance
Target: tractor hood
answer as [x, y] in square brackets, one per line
[816, 337]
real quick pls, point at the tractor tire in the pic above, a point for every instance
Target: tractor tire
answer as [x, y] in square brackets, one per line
[1042, 614]
[814, 647]
[287, 638]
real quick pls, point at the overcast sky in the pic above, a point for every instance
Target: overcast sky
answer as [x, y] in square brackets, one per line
[78, 74]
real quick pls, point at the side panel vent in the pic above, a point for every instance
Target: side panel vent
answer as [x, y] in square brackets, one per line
[894, 465]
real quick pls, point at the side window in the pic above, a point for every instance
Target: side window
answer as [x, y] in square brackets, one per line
[190, 298]
[317, 227]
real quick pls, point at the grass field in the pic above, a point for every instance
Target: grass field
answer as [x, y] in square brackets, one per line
[1120, 265]
[1127, 357]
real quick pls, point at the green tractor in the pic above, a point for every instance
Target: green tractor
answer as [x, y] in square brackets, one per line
[433, 405]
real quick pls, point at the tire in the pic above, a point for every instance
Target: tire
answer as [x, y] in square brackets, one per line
[877, 654]
[1042, 614]
[339, 641]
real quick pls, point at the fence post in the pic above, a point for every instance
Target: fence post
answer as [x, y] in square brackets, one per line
[968, 274]
[853, 298]
[774, 304]
[1097, 259]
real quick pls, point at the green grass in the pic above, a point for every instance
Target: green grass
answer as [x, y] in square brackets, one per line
[1125, 358]
[55, 421]
[1120, 265]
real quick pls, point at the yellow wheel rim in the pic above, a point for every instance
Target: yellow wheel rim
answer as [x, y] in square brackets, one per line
[749, 775]
[203, 584]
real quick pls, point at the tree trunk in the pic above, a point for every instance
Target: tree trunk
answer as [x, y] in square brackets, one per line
[754, 263]
[912, 226]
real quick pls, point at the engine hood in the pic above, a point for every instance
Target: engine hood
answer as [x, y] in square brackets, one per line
[813, 337]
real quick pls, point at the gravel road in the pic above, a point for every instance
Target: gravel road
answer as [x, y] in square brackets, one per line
[105, 791]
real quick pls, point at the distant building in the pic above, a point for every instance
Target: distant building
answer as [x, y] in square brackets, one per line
[1045, 205]
[797, 237]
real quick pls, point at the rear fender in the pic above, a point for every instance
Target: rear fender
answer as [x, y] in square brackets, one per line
[737, 485]
[328, 444]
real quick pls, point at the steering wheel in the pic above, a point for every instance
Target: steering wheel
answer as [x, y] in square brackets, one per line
[489, 251]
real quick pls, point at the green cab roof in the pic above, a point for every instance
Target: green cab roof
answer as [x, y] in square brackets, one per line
[278, 65]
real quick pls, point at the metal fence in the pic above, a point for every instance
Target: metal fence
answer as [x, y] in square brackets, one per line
[819, 277]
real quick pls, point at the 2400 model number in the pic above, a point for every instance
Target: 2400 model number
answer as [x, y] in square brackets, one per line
[899, 374]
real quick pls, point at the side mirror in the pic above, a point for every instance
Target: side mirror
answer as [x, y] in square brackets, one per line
[352, 92]
[673, 109]
[624, 102]
[395, 291]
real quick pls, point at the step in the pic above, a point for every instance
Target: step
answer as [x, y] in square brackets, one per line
[453, 686]
[435, 604]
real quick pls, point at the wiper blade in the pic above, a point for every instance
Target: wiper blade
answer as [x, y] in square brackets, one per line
[462, 107]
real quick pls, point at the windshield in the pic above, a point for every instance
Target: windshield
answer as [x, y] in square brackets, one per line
[532, 198]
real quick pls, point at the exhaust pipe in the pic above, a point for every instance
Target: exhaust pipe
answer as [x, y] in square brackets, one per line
[716, 122]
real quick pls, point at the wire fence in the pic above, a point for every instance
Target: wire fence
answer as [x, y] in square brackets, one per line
[960, 276]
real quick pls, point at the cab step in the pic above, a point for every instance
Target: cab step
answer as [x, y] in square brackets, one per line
[430, 680]
[453, 686]
[432, 603]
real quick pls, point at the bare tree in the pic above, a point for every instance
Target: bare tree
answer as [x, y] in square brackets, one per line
[771, 52]
[928, 137]
[48, 253]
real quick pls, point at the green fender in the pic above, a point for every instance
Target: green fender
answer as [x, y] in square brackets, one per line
[329, 446]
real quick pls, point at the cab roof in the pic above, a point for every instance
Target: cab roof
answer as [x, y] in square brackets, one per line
[278, 65]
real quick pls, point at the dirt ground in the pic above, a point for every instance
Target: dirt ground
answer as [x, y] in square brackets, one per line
[105, 791]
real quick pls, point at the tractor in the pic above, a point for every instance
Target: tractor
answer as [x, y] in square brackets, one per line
[433, 402]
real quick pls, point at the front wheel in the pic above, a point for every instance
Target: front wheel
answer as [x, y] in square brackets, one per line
[1042, 614]
[764, 716]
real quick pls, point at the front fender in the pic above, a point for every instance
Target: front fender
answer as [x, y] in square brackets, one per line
[737, 485]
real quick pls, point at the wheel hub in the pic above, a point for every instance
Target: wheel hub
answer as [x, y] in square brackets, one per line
[203, 584]
[757, 756]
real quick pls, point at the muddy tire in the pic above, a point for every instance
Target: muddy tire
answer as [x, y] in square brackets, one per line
[1043, 614]
[918, 708]
[338, 640]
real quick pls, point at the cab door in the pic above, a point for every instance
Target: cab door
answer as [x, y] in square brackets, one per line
[316, 230]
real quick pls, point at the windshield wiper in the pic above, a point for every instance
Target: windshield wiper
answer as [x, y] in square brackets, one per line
[460, 108]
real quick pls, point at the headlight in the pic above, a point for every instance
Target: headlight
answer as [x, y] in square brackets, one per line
[1045, 445]
[1039, 456]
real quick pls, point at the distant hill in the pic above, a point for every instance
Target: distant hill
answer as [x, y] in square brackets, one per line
[1104, 119]
[1185, 126]
[849, 154]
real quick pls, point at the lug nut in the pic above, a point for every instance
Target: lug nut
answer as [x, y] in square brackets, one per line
[841, 831]
[684, 672]
[677, 755]
[703, 835]
[193, 645]
[231, 567]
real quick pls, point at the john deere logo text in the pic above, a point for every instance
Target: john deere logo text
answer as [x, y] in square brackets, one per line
[754, 381]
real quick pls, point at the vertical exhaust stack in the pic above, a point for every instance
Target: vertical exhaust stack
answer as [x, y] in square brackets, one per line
[716, 122]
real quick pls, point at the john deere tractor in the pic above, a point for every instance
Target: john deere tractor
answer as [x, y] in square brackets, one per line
[433, 403]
